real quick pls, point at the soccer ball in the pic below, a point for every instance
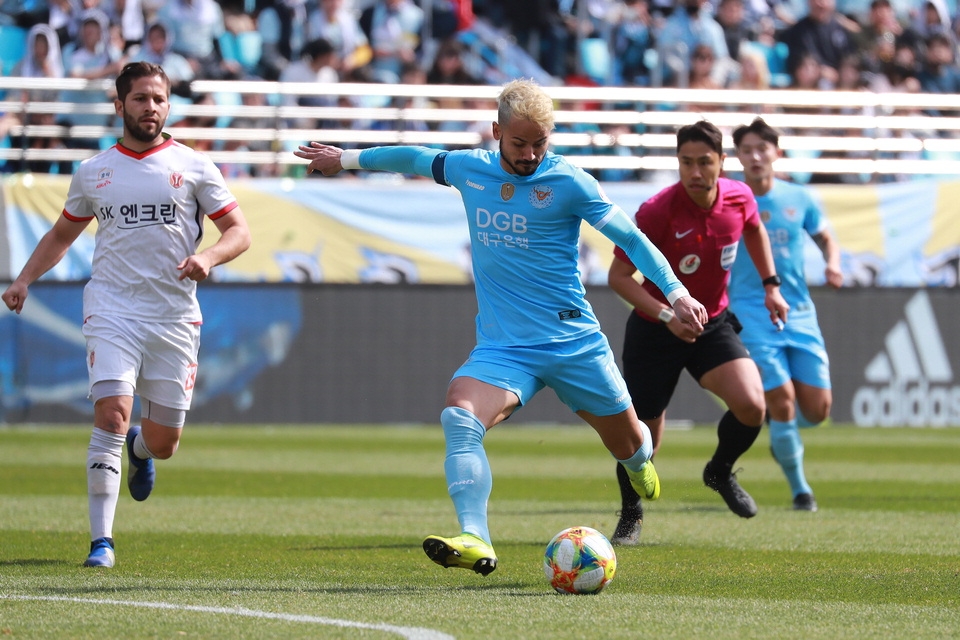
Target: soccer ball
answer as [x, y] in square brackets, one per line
[579, 560]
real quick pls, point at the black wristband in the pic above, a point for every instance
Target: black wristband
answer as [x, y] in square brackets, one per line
[772, 280]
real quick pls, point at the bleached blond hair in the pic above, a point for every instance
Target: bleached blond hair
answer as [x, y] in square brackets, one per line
[524, 99]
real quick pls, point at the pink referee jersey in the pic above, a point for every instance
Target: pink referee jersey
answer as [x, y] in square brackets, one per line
[149, 209]
[699, 244]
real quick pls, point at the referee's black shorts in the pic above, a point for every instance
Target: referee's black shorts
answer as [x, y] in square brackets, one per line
[653, 358]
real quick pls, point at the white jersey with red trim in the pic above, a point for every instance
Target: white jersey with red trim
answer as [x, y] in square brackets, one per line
[149, 207]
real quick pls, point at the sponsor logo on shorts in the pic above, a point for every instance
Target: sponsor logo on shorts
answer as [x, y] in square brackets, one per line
[191, 381]
[572, 314]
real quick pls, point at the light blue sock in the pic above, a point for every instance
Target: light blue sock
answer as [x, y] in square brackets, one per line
[469, 480]
[635, 462]
[788, 450]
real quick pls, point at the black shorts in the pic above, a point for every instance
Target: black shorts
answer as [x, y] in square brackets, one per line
[653, 358]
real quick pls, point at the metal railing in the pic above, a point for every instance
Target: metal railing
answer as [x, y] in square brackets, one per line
[876, 134]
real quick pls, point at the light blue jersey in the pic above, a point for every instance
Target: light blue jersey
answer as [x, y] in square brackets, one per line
[789, 214]
[524, 237]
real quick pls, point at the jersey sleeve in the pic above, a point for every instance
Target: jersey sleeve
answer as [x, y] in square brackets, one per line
[813, 220]
[421, 161]
[634, 245]
[212, 193]
[78, 207]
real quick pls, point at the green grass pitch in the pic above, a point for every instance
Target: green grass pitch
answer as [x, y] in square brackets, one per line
[315, 532]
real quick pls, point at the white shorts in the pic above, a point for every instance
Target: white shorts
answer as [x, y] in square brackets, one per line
[158, 358]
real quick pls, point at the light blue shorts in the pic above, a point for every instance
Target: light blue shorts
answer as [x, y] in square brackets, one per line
[796, 353]
[582, 372]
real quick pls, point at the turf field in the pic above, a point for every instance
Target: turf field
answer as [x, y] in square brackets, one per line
[291, 532]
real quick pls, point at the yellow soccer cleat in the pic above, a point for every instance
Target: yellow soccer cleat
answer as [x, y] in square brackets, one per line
[466, 551]
[646, 481]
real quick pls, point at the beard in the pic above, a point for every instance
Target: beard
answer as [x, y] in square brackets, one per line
[139, 132]
[524, 169]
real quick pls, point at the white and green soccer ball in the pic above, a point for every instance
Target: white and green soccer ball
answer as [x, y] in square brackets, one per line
[579, 560]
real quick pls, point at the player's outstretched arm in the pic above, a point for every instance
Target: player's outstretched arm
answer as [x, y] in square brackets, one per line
[322, 158]
[49, 251]
[421, 161]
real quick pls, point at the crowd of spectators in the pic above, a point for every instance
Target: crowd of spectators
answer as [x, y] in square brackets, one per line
[875, 45]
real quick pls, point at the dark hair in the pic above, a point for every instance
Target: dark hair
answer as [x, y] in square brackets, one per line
[136, 70]
[702, 131]
[318, 48]
[939, 37]
[760, 128]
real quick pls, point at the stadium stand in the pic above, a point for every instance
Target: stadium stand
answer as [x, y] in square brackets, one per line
[616, 125]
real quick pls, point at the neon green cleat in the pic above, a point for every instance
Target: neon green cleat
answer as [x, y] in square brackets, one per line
[466, 551]
[646, 481]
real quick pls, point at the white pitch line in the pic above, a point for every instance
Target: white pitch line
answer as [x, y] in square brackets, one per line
[411, 633]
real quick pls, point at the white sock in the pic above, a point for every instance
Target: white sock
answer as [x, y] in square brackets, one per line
[140, 448]
[103, 481]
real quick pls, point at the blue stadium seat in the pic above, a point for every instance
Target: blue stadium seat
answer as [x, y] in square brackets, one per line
[245, 47]
[596, 60]
[776, 57]
[13, 46]
[228, 46]
[249, 49]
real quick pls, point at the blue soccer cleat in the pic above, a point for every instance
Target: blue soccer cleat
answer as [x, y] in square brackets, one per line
[141, 474]
[101, 554]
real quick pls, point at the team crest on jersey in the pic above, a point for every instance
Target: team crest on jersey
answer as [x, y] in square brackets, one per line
[541, 197]
[506, 190]
[689, 263]
[176, 179]
[765, 216]
[104, 174]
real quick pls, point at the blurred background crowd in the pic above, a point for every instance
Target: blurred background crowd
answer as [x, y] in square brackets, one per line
[851, 45]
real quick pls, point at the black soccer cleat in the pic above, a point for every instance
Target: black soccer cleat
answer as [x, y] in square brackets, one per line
[724, 482]
[804, 502]
[629, 526]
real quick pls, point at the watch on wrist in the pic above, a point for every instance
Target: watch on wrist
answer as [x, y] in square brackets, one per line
[665, 315]
[772, 280]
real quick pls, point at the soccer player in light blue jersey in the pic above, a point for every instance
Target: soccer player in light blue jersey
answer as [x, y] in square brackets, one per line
[793, 361]
[535, 328]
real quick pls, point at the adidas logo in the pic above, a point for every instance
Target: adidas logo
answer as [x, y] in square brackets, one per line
[910, 381]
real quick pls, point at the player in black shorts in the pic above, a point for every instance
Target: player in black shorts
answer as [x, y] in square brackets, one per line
[697, 223]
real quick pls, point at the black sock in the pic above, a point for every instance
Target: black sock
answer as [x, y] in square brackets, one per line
[629, 498]
[734, 439]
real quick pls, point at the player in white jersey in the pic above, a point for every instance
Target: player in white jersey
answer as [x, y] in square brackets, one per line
[524, 209]
[148, 194]
[793, 361]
